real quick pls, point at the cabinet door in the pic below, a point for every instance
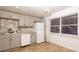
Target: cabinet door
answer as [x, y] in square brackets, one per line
[15, 42]
[28, 22]
[21, 21]
[4, 43]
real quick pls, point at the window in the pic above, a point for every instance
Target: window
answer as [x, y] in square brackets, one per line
[72, 19]
[55, 21]
[55, 25]
[69, 29]
[55, 29]
[69, 24]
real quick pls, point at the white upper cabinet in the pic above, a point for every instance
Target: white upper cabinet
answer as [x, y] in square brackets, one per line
[21, 21]
[25, 21]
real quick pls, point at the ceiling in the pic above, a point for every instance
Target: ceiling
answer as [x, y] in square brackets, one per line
[36, 11]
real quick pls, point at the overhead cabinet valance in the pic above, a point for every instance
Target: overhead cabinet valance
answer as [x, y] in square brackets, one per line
[9, 18]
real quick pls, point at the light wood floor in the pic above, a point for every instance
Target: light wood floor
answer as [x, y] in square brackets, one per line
[42, 47]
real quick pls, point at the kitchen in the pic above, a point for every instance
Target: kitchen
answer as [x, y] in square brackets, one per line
[53, 28]
[13, 27]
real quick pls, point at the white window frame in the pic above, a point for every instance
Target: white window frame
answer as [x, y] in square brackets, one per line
[55, 26]
[60, 26]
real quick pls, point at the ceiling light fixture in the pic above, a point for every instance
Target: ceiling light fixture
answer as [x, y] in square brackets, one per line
[17, 7]
[48, 12]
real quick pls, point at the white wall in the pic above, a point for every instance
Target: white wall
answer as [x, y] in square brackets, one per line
[65, 40]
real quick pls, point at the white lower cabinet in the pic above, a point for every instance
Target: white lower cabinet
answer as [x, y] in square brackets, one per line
[8, 42]
[15, 41]
[4, 43]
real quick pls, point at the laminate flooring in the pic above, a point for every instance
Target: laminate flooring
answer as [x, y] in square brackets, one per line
[42, 47]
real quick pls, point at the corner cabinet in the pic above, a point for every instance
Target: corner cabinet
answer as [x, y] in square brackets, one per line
[9, 41]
